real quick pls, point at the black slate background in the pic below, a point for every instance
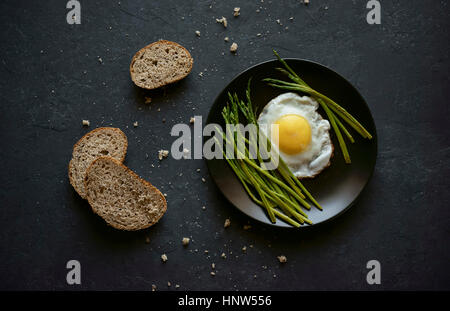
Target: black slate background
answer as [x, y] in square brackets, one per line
[51, 79]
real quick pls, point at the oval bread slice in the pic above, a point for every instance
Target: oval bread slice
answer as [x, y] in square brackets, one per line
[103, 141]
[122, 198]
[159, 64]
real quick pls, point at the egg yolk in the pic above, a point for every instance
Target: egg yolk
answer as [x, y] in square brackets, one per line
[294, 134]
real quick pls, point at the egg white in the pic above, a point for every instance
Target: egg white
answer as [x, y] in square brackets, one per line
[317, 155]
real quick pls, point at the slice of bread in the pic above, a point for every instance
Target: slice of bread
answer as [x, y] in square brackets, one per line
[159, 64]
[122, 198]
[103, 141]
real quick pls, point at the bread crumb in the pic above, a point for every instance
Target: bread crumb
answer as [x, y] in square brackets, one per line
[213, 265]
[148, 100]
[86, 123]
[153, 287]
[246, 227]
[222, 21]
[197, 33]
[164, 257]
[244, 249]
[223, 256]
[186, 241]
[305, 1]
[226, 39]
[282, 259]
[100, 60]
[279, 22]
[203, 179]
[213, 273]
[227, 223]
[135, 124]
[192, 120]
[236, 11]
[169, 284]
[291, 18]
[203, 207]
[258, 35]
[163, 154]
[198, 170]
[177, 286]
[233, 47]
[206, 251]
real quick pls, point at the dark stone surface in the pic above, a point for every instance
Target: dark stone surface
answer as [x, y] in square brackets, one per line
[51, 79]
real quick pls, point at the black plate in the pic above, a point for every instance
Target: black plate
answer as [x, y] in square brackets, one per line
[338, 186]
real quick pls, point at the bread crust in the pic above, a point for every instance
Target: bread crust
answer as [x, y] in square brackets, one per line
[138, 53]
[89, 134]
[146, 184]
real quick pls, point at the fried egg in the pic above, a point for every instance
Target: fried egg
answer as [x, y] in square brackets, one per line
[301, 136]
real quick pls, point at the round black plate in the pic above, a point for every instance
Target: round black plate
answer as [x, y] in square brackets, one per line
[337, 187]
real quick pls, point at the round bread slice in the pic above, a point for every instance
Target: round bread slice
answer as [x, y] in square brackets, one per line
[122, 198]
[160, 63]
[103, 141]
